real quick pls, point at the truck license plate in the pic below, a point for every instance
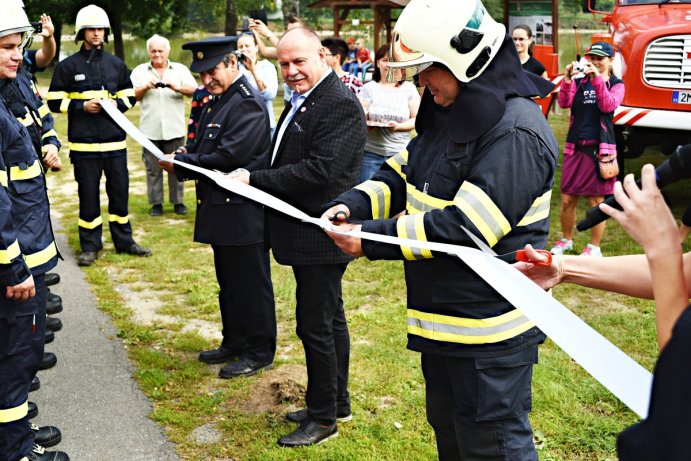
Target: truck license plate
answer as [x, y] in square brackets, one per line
[681, 97]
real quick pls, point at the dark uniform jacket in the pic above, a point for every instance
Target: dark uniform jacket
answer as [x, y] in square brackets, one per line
[320, 156]
[27, 245]
[497, 185]
[87, 75]
[233, 130]
[23, 100]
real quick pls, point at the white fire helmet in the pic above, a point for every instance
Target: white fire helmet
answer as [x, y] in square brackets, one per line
[459, 34]
[92, 17]
[14, 21]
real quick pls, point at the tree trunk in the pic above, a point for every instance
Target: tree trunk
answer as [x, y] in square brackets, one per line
[231, 18]
[290, 8]
[116, 28]
[57, 35]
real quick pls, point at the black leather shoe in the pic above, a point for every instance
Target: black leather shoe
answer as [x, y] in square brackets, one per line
[243, 367]
[33, 410]
[52, 278]
[46, 436]
[50, 336]
[53, 303]
[156, 210]
[53, 324]
[35, 385]
[38, 453]
[87, 258]
[180, 208]
[136, 250]
[220, 355]
[48, 361]
[300, 416]
[309, 433]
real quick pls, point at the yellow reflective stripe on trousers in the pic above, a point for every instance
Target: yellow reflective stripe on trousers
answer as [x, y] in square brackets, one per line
[91, 225]
[3, 178]
[467, 331]
[380, 197]
[118, 219]
[413, 227]
[98, 147]
[41, 257]
[538, 211]
[482, 212]
[12, 251]
[17, 174]
[49, 133]
[10, 415]
[397, 161]
[43, 110]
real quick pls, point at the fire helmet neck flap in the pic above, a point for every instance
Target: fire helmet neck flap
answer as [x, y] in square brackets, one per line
[461, 35]
[14, 21]
[92, 17]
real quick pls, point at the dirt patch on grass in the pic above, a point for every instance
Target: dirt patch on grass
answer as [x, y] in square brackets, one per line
[285, 384]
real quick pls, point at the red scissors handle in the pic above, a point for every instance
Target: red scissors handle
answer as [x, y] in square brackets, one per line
[521, 256]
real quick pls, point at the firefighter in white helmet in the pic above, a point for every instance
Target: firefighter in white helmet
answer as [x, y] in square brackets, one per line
[484, 159]
[27, 251]
[81, 84]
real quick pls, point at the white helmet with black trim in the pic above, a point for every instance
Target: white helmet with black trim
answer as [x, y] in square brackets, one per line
[92, 17]
[459, 34]
[14, 21]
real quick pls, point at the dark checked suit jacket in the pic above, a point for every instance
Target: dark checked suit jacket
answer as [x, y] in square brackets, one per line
[319, 157]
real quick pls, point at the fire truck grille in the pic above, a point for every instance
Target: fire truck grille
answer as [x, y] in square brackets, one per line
[667, 62]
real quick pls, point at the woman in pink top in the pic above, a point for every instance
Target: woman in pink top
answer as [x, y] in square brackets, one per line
[592, 97]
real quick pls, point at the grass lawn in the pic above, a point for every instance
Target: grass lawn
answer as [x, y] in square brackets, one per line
[165, 310]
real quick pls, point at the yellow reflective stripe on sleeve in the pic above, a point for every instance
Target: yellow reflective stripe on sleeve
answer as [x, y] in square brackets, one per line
[27, 120]
[64, 105]
[538, 211]
[3, 178]
[482, 212]
[41, 257]
[126, 93]
[17, 174]
[446, 328]
[419, 202]
[49, 133]
[380, 197]
[118, 219]
[413, 227]
[397, 161]
[126, 102]
[12, 251]
[54, 95]
[90, 94]
[98, 147]
[14, 414]
[91, 225]
[43, 110]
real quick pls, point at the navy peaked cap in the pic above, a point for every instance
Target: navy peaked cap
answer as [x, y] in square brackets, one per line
[207, 53]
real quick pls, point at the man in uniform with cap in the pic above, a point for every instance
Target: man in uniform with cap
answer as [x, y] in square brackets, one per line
[233, 130]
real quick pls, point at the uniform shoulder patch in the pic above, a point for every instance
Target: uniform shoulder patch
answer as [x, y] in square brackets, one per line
[244, 90]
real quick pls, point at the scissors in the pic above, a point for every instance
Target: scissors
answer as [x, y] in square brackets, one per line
[518, 255]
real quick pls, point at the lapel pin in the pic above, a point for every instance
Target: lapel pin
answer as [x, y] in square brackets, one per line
[303, 109]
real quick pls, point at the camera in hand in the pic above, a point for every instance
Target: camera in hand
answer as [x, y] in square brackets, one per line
[160, 85]
[241, 57]
[38, 27]
[578, 68]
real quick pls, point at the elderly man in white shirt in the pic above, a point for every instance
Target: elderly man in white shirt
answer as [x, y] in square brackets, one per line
[160, 86]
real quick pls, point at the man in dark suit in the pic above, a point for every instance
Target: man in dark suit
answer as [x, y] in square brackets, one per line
[233, 130]
[316, 155]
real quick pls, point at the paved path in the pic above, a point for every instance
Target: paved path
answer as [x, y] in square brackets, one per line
[90, 394]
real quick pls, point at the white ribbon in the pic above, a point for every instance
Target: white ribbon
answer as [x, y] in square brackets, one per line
[615, 370]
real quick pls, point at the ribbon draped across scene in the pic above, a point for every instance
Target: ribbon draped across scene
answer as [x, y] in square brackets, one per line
[619, 373]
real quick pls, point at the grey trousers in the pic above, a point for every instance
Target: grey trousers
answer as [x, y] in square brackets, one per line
[154, 174]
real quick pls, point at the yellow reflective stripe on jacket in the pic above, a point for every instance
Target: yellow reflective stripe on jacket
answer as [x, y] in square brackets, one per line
[118, 219]
[397, 161]
[14, 414]
[3, 178]
[27, 120]
[43, 110]
[12, 251]
[91, 225]
[380, 197]
[413, 228]
[64, 106]
[482, 212]
[89, 94]
[538, 211]
[419, 202]
[467, 331]
[41, 257]
[49, 133]
[55, 95]
[17, 174]
[124, 96]
[97, 146]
